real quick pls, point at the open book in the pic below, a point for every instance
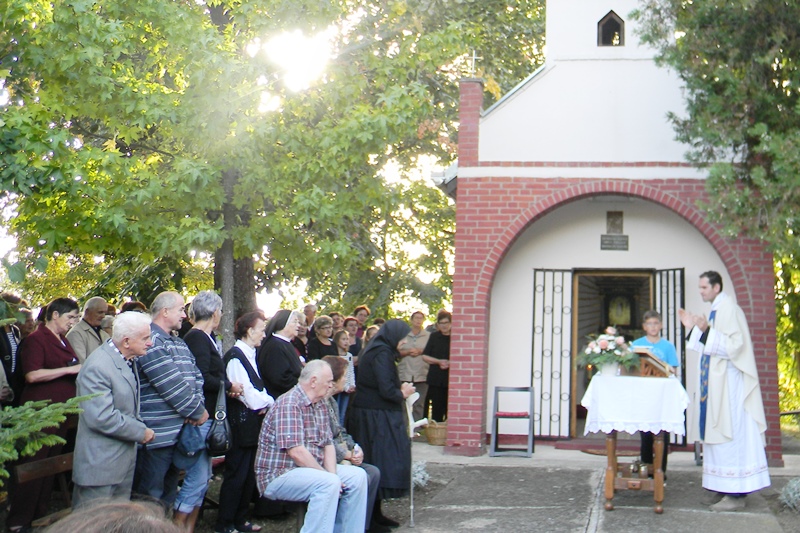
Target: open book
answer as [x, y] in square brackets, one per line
[650, 364]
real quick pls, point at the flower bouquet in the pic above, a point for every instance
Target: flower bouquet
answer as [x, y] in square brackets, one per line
[608, 349]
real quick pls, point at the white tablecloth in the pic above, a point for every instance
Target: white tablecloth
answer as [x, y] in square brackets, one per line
[631, 404]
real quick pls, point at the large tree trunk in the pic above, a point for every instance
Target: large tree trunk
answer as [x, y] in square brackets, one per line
[224, 263]
[244, 294]
[223, 270]
[244, 282]
[234, 278]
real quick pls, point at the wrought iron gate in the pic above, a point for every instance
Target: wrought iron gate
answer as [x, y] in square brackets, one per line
[552, 338]
[552, 331]
[669, 297]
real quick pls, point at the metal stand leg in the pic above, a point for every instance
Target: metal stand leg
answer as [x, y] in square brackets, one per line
[411, 495]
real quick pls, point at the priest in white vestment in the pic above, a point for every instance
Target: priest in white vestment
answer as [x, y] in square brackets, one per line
[732, 421]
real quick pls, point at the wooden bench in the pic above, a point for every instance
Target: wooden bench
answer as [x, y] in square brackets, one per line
[57, 466]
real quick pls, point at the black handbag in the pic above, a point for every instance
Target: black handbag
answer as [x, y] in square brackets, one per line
[219, 439]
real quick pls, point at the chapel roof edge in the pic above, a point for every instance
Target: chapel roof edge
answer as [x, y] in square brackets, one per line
[510, 94]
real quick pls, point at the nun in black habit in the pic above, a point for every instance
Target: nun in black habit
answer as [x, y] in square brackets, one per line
[378, 411]
[278, 360]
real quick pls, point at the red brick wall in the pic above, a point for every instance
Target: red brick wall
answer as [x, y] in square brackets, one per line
[470, 104]
[491, 213]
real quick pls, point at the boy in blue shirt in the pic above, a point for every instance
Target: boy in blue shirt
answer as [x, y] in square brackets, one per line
[664, 350]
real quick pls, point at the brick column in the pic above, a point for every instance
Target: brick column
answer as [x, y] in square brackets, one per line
[469, 116]
[754, 286]
[468, 350]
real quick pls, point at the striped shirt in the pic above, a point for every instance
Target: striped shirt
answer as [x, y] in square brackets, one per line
[171, 387]
[292, 421]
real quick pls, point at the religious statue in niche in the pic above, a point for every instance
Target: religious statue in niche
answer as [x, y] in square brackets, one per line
[619, 311]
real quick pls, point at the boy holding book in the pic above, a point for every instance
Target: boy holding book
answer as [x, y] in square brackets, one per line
[664, 350]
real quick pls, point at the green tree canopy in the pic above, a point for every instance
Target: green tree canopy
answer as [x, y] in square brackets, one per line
[738, 60]
[135, 130]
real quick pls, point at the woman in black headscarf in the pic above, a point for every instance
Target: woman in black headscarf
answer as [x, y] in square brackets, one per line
[278, 360]
[377, 420]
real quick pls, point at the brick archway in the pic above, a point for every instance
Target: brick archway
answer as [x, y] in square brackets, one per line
[683, 208]
[492, 213]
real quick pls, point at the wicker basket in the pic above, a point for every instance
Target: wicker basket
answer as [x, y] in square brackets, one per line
[436, 433]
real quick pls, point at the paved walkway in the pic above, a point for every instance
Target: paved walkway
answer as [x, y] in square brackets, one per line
[562, 491]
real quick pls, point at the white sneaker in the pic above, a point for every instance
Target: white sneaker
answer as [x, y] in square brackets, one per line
[728, 504]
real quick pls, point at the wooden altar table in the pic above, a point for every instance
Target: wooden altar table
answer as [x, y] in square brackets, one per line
[631, 404]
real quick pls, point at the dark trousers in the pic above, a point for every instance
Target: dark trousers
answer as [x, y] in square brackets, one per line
[155, 476]
[646, 450]
[237, 488]
[373, 482]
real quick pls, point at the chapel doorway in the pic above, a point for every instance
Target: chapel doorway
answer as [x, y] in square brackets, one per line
[568, 305]
[619, 298]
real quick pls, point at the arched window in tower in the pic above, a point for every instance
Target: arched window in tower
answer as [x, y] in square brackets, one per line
[611, 30]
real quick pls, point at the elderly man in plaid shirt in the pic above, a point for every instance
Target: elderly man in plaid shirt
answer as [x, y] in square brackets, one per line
[296, 459]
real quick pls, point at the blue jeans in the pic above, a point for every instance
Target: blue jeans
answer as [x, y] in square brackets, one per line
[327, 511]
[342, 400]
[195, 483]
[155, 475]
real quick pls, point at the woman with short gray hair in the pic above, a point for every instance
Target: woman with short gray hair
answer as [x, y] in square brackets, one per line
[204, 305]
[206, 312]
[107, 324]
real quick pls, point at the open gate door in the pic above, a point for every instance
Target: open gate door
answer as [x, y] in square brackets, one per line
[552, 331]
[670, 296]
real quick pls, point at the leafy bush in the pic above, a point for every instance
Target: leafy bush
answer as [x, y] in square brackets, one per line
[790, 495]
[419, 474]
[22, 428]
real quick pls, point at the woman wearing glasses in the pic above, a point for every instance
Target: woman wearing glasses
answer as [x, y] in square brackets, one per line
[50, 367]
[322, 345]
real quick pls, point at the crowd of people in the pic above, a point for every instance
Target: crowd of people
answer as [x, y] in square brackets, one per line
[315, 403]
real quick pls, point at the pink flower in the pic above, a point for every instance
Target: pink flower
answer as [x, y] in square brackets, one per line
[611, 330]
[603, 344]
[620, 340]
[592, 345]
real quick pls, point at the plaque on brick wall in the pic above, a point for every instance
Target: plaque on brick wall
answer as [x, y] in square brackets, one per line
[614, 242]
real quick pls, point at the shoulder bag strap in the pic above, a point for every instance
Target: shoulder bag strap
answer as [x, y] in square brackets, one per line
[220, 412]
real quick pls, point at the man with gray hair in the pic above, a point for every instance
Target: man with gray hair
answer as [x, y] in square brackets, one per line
[87, 335]
[296, 459]
[172, 395]
[109, 426]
